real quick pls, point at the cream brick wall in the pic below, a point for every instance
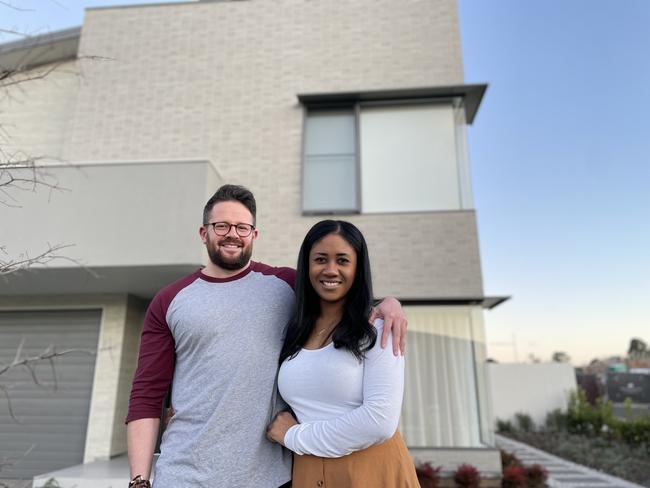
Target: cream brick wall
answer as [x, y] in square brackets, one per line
[218, 80]
[116, 362]
[34, 114]
[135, 311]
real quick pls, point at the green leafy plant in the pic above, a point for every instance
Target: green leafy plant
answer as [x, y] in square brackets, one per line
[524, 422]
[635, 432]
[556, 421]
[583, 418]
[504, 426]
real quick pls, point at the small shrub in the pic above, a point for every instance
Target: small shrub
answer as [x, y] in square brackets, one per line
[428, 476]
[509, 459]
[513, 477]
[504, 426]
[536, 476]
[524, 422]
[556, 421]
[603, 415]
[467, 476]
[585, 419]
[634, 432]
[612, 455]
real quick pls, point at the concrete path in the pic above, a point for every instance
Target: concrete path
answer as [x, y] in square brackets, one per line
[562, 473]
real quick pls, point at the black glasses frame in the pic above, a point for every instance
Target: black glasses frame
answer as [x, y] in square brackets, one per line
[250, 228]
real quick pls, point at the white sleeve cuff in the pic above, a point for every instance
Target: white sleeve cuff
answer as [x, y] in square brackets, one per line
[290, 437]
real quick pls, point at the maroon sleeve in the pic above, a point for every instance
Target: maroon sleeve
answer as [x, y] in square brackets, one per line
[288, 275]
[155, 363]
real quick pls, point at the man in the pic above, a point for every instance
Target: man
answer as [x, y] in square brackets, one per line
[218, 333]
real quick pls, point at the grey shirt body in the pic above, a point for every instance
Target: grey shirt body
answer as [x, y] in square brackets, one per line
[227, 338]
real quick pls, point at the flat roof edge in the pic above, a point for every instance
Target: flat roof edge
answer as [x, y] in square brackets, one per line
[488, 302]
[471, 93]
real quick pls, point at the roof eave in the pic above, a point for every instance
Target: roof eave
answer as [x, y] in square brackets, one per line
[472, 96]
[38, 50]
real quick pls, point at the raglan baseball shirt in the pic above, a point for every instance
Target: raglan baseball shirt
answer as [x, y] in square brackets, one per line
[219, 340]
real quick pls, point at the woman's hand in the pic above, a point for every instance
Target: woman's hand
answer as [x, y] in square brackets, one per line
[276, 431]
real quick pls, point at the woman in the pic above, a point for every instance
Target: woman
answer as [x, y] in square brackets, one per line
[345, 390]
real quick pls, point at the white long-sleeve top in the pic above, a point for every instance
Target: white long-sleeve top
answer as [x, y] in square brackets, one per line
[342, 404]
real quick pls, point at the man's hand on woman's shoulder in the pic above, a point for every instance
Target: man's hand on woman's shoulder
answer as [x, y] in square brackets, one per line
[390, 309]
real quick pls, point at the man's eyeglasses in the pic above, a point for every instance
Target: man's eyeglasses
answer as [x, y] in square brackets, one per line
[222, 228]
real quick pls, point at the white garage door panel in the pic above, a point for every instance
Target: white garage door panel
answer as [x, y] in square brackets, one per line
[53, 416]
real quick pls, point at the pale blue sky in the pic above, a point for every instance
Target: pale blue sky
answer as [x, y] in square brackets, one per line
[560, 165]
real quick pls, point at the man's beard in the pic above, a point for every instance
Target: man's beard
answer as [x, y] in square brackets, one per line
[231, 264]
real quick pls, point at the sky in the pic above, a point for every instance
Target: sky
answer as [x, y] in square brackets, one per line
[560, 166]
[560, 154]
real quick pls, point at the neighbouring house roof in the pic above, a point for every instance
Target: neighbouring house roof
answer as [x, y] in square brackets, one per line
[38, 50]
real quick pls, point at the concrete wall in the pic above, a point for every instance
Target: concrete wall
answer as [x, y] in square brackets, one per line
[535, 389]
[218, 81]
[129, 214]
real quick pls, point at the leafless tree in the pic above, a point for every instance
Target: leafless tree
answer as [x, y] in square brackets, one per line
[23, 171]
[20, 169]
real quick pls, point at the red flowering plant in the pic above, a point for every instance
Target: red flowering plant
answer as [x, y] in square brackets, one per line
[428, 476]
[536, 476]
[467, 476]
[514, 477]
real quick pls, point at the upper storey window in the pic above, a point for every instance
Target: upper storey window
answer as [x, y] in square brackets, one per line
[377, 156]
[331, 162]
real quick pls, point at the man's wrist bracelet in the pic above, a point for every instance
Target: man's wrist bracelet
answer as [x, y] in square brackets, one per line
[139, 482]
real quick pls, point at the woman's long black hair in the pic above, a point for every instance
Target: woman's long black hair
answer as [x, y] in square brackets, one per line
[353, 332]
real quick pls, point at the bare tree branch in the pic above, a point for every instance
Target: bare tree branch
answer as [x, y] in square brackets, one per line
[29, 363]
[23, 261]
[18, 172]
[14, 7]
[22, 171]
[7, 462]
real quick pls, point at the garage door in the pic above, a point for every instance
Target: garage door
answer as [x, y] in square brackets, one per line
[50, 403]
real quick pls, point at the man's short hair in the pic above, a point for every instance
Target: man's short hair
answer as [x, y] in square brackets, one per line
[231, 193]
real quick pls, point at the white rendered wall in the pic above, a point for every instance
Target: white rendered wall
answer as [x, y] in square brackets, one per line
[535, 389]
[408, 159]
[120, 214]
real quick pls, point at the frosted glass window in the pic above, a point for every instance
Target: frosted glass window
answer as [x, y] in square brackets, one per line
[408, 158]
[330, 166]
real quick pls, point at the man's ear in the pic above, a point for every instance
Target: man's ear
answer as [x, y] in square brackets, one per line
[203, 232]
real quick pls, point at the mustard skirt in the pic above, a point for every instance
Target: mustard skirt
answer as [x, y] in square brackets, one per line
[385, 465]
